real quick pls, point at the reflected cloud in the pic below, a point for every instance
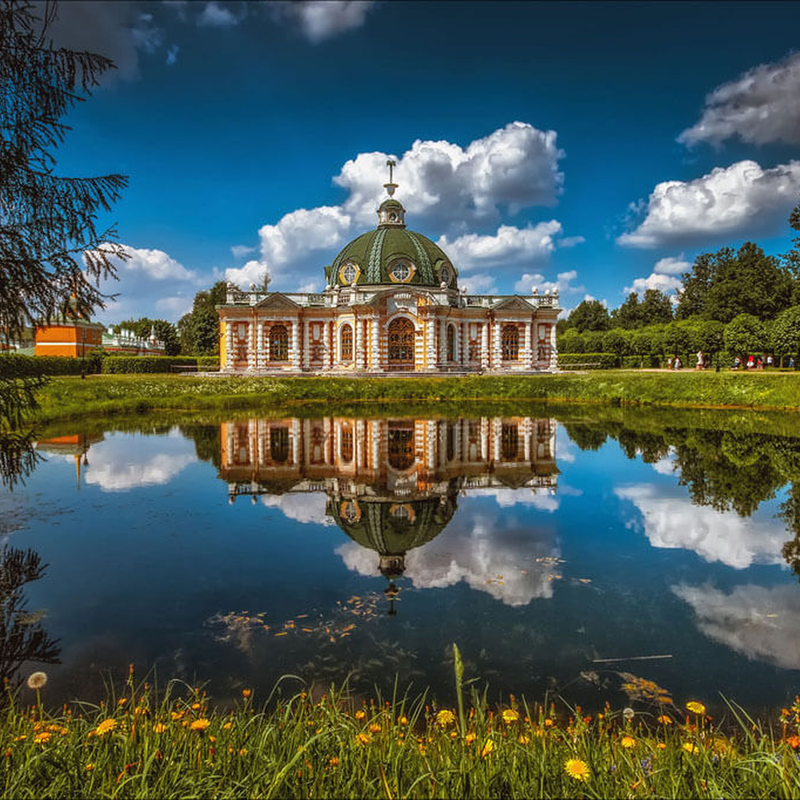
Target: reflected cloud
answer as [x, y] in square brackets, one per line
[761, 624]
[540, 499]
[306, 508]
[115, 466]
[674, 522]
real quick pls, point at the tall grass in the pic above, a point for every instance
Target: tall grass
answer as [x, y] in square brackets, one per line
[315, 746]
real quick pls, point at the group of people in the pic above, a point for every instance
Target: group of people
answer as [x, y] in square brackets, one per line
[704, 361]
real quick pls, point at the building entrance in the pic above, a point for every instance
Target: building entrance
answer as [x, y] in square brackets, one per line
[401, 344]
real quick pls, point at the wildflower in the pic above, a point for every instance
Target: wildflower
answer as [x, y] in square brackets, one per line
[176, 715]
[37, 680]
[246, 693]
[196, 706]
[403, 720]
[661, 746]
[445, 717]
[20, 738]
[159, 727]
[106, 726]
[627, 713]
[42, 738]
[509, 716]
[361, 714]
[7, 753]
[374, 728]
[695, 707]
[199, 724]
[122, 701]
[664, 719]
[243, 752]
[793, 742]
[470, 738]
[487, 748]
[577, 769]
[628, 741]
[362, 738]
[548, 723]
[690, 747]
[334, 762]
[226, 726]
[523, 739]
[89, 767]
[453, 734]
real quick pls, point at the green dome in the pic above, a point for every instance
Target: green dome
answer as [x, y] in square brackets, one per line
[392, 255]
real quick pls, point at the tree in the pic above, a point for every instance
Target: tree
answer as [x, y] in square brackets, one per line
[164, 331]
[677, 339]
[572, 342]
[199, 329]
[655, 308]
[791, 259]
[590, 315]
[785, 333]
[615, 342]
[710, 336]
[629, 314]
[745, 334]
[641, 343]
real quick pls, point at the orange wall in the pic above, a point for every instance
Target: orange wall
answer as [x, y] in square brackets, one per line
[72, 340]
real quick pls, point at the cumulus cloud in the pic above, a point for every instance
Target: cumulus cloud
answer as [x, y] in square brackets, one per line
[760, 623]
[478, 283]
[114, 466]
[672, 265]
[729, 201]
[215, 15]
[447, 189]
[760, 106]
[150, 283]
[251, 272]
[322, 19]
[498, 557]
[662, 277]
[116, 30]
[672, 521]
[242, 250]
[563, 283]
[308, 507]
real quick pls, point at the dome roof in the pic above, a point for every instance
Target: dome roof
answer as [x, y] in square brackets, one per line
[392, 255]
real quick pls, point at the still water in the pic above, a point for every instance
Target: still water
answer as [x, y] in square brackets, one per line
[564, 553]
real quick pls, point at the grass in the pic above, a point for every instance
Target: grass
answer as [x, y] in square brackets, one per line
[70, 397]
[317, 746]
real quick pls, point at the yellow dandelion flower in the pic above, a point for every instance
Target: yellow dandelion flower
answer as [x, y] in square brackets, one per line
[548, 723]
[106, 726]
[159, 727]
[200, 724]
[487, 748]
[628, 741]
[20, 738]
[577, 769]
[243, 752]
[362, 738]
[661, 746]
[42, 738]
[403, 720]
[361, 714]
[334, 762]
[509, 716]
[664, 719]
[246, 693]
[89, 767]
[196, 706]
[226, 726]
[695, 707]
[470, 737]
[445, 717]
[374, 728]
[690, 747]
[523, 739]
[176, 715]
[122, 701]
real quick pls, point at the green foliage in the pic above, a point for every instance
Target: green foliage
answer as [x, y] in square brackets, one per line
[677, 338]
[727, 283]
[120, 365]
[745, 334]
[615, 341]
[199, 329]
[628, 315]
[656, 308]
[587, 360]
[164, 331]
[785, 332]
[593, 341]
[590, 315]
[571, 341]
[16, 366]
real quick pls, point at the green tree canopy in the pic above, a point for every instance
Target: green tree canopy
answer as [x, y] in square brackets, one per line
[745, 334]
[656, 308]
[629, 314]
[165, 331]
[590, 315]
[785, 333]
[199, 329]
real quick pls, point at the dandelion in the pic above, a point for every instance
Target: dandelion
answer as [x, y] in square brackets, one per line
[627, 713]
[159, 727]
[690, 747]
[196, 706]
[661, 746]
[664, 719]
[226, 726]
[37, 680]
[374, 728]
[246, 693]
[403, 720]
[548, 723]
[89, 767]
[122, 701]
[523, 739]
[200, 724]
[470, 738]
[793, 742]
[176, 715]
[509, 716]
[695, 707]
[334, 762]
[362, 738]
[445, 717]
[106, 726]
[487, 748]
[628, 741]
[361, 714]
[577, 769]
[42, 738]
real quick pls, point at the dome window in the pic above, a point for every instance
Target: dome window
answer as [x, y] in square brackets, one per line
[401, 271]
[349, 273]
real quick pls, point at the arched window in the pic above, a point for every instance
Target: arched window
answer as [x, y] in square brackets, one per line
[451, 343]
[510, 342]
[346, 343]
[346, 446]
[401, 344]
[401, 445]
[279, 445]
[278, 343]
[509, 442]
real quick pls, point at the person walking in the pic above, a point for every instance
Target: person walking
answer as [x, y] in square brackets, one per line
[700, 360]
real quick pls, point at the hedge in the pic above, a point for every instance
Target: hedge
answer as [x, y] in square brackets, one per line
[152, 364]
[18, 366]
[587, 361]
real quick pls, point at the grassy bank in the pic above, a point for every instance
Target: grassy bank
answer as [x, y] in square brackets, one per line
[329, 746]
[69, 397]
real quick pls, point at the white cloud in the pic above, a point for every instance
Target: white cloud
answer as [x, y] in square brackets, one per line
[674, 522]
[323, 19]
[489, 555]
[655, 280]
[242, 250]
[151, 283]
[760, 106]
[251, 272]
[761, 624]
[478, 283]
[563, 283]
[308, 507]
[540, 499]
[215, 15]
[736, 200]
[115, 466]
[672, 265]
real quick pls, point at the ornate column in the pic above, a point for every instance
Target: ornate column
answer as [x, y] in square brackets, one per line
[376, 344]
[295, 344]
[553, 349]
[295, 442]
[497, 427]
[485, 345]
[376, 441]
[306, 344]
[336, 340]
[329, 355]
[526, 438]
[358, 434]
[442, 342]
[228, 344]
[535, 343]
[497, 350]
[484, 439]
[431, 442]
[526, 347]
[430, 355]
[358, 342]
[251, 345]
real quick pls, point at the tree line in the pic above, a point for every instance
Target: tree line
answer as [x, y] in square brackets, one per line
[740, 301]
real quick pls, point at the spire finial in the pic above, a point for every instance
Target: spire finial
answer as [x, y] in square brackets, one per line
[267, 280]
[391, 186]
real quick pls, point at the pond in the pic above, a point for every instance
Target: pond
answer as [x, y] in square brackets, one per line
[592, 554]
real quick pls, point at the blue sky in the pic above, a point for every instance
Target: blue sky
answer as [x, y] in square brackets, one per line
[593, 147]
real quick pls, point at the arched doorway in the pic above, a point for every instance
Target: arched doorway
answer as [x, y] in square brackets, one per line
[278, 343]
[401, 445]
[401, 344]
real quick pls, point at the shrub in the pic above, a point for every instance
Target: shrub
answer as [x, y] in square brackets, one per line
[17, 366]
[587, 361]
